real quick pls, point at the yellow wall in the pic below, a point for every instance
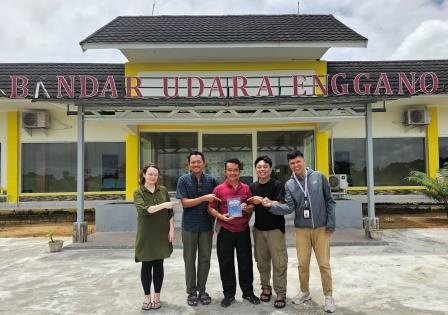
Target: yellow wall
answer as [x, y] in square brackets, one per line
[13, 143]
[132, 166]
[432, 144]
[322, 152]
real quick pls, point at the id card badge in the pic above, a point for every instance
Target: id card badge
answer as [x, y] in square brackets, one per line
[306, 213]
[306, 209]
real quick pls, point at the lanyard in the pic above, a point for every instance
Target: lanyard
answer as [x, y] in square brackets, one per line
[305, 191]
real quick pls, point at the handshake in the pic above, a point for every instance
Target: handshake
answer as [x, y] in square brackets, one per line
[264, 201]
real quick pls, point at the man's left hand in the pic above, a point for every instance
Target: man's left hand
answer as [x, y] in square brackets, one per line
[246, 208]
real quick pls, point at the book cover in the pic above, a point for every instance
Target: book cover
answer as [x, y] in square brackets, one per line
[234, 207]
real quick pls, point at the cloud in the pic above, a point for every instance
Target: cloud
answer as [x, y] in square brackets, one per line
[50, 31]
[429, 40]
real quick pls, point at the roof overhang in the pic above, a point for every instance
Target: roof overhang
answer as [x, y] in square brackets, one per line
[248, 51]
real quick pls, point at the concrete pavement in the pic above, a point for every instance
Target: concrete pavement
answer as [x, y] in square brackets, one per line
[126, 240]
[408, 276]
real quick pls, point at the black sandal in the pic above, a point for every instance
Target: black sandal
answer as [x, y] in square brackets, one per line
[192, 299]
[280, 303]
[265, 297]
[204, 298]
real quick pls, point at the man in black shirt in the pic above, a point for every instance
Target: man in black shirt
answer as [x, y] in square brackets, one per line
[269, 233]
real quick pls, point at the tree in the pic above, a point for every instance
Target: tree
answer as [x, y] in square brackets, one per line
[436, 188]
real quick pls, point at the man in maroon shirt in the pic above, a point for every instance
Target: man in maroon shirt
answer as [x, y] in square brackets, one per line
[234, 233]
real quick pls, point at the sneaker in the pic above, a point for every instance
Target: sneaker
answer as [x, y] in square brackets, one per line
[302, 297]
[329, 304]
[253, 299]
[227, 301]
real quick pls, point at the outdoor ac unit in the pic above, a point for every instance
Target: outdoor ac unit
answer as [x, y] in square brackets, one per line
[416, 116]
[36, 119]
[338, 182]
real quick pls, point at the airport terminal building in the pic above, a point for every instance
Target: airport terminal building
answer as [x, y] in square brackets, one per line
[229, 86]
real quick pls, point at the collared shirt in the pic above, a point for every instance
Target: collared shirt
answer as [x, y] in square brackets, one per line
[196, 219]
[224, 192]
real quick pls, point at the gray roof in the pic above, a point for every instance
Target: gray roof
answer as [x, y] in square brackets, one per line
[223, 29]
[47, 72]
[351, 68]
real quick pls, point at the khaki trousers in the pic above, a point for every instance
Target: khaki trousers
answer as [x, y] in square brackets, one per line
[308, 239]
[270, 247]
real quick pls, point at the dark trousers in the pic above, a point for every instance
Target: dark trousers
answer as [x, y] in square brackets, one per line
[200, 243]
[152, 271]
[226, 244]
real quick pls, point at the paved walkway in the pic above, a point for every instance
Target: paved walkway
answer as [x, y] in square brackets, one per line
[406, 277]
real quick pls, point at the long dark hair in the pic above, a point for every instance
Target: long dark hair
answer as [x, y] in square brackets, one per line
[141, 176]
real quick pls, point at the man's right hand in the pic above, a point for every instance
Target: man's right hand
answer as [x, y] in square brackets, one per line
[256, 200]
[225, 217]
[211, 197]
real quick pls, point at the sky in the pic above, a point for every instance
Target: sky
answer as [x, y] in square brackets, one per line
[50, 30]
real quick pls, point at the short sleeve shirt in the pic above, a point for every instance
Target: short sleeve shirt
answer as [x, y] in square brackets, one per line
[197, 218]
[224, 192]
[264, 220]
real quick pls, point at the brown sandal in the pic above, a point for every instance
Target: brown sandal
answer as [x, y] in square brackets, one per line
[265, 297]
[280, 302]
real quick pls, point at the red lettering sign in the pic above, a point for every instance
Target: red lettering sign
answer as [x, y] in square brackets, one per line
[23, 86]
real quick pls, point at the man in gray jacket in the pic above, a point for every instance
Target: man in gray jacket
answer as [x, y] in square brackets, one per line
[308, 195]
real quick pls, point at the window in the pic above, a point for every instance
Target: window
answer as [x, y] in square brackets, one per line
[276, 144]
[443, 151]
[169, 151]
[51, 167]
[350, 158]
[105, 166]
[393, 159]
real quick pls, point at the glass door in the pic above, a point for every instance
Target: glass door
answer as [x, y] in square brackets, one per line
[217, 148]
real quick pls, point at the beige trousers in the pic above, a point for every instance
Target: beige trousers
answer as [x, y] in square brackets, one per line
[270, 247]
[308, 239]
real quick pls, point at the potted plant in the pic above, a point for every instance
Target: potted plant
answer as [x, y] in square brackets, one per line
[55, 245]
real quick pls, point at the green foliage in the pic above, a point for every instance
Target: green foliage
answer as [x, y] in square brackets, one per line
[50, 236]
[436, 188]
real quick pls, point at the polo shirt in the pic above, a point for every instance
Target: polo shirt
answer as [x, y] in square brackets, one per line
[224, 192]
[197, 218]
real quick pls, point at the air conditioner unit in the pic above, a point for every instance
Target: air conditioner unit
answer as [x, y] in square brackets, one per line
[416, 116]
[36, 119]
[338, 182]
